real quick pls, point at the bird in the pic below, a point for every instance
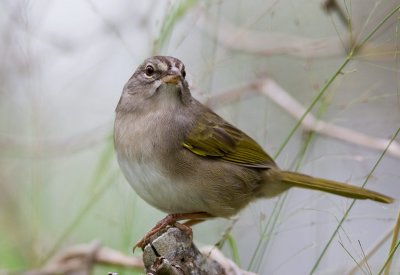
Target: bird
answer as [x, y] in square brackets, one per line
[187, 161]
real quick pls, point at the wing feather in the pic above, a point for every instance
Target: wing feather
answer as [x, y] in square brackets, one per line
[213, 137]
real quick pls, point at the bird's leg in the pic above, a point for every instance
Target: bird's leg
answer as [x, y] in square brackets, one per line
[193, 222]
[172, 219]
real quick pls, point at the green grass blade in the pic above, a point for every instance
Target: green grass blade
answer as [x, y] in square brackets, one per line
[234, 249]
[256, 259]
[273, 221]
[99, 173]
[171, 18]
[352, 257]
[389, 258]
[393, 244]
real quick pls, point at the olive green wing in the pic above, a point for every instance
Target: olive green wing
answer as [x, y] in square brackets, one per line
[213, 137]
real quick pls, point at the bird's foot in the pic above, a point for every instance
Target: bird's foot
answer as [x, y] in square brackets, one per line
[172, 219]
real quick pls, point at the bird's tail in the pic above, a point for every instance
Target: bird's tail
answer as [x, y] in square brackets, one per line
[338, 188]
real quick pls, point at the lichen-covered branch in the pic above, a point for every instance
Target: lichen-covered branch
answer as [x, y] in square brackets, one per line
[172, 252]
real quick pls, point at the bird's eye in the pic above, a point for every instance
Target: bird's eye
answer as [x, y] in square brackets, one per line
[149, 71]
[183, 72]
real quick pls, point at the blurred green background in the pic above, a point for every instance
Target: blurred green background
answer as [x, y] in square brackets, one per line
[63, 66]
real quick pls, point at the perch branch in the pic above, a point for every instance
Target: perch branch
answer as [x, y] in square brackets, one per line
[173, 252]
[169, 252]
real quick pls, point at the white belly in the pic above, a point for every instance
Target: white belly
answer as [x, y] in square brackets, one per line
[156, 189]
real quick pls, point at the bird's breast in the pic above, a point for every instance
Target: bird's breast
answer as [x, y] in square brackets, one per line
[158, 189]
[142, 146]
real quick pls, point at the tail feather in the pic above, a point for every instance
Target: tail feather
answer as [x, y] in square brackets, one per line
[341, 189]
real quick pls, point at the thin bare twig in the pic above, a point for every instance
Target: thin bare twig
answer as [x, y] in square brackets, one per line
[269, 43]
[333, 6]
[79, 259]
[374, 248]
[271, 89]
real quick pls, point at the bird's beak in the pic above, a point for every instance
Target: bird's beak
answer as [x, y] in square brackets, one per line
[171, 79]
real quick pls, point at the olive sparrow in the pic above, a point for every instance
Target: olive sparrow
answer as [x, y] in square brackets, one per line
[187, 161]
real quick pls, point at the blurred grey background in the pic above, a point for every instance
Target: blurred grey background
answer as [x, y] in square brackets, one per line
[62, 69]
